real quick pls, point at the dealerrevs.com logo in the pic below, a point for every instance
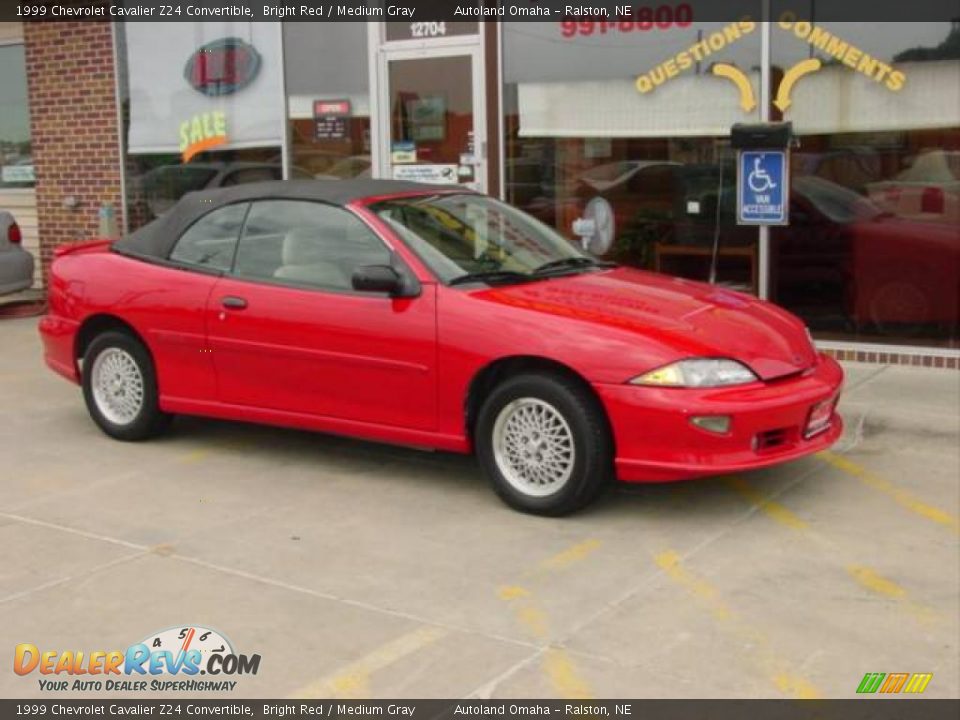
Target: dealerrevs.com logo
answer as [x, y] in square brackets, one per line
[169, 661]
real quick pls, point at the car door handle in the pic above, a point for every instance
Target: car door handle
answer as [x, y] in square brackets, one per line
[233, 303]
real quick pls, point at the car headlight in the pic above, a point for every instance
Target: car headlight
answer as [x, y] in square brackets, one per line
[698, 372]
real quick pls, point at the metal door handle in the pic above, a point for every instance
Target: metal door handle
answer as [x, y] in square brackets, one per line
[232, 302]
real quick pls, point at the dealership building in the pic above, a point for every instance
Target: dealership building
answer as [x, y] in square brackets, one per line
[618, 130]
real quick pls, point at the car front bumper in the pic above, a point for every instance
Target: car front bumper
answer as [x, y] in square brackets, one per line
[657, 442]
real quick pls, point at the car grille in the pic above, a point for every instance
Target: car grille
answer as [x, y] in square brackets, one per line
[771, 439]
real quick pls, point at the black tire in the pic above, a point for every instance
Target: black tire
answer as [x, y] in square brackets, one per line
[592, 466]
[149, 420]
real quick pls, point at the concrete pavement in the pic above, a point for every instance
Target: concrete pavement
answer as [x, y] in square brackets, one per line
[360, 570]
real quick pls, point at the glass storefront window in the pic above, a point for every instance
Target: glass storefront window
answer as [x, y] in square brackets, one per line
[627, 127]
[328, 99]
[16, 160]
[872, 251]
[432, 119]
[202, 107]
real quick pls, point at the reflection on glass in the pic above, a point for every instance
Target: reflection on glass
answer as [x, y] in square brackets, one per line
[668, 201]
[16, 160]
[872, 251]
[328, 99]
[627, 129]
[198, 103]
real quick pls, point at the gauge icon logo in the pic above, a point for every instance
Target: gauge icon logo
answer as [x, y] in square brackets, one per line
[183, 639]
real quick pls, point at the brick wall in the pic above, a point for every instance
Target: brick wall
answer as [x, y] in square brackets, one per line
[73, 125]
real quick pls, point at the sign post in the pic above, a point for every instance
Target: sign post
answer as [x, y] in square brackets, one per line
[763, 183]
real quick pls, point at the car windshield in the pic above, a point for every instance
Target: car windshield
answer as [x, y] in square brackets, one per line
[464, 237]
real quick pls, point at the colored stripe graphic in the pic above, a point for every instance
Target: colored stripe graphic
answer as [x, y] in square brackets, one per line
[918, 683]
[871, 682]
[894, 682]
[914, 683]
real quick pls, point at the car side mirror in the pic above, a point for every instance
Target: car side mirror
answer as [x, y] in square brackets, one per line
[382, 278]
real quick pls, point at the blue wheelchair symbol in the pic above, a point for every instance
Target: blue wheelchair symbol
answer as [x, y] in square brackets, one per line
[758, 179]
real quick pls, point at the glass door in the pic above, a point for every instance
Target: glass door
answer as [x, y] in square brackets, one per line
[433, 117]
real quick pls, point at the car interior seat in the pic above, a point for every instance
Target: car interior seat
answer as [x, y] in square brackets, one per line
[309, 259]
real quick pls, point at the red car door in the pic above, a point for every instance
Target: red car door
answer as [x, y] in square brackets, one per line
[289, 333]
[169, 302]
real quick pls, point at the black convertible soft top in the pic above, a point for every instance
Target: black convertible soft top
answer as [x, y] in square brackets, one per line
[157, 238]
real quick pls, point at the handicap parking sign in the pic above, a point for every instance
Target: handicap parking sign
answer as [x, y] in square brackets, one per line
[763, 196]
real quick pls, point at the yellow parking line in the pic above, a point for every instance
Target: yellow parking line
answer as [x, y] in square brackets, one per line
[571, 555]
[903, 497]
[563, 675]
[353, 681]
[512, 592]
[773, 510]
[195, 456]
[866, 577]
[669, 562]
[795, 686]
[534, 619]
[873, 581]
[557, 664]
[779, 670]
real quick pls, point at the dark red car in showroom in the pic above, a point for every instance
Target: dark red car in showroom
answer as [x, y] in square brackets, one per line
[438, 317]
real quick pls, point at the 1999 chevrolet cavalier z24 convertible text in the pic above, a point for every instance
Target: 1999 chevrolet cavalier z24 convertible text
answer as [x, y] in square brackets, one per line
[436, 317]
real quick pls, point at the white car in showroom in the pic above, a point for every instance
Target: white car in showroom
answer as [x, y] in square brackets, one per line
[16, 264]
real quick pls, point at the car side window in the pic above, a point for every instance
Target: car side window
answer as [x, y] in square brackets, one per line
[211, 241]
[306, 244]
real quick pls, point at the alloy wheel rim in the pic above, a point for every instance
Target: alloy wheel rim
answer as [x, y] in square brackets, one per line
[533, 447]
[117, 385]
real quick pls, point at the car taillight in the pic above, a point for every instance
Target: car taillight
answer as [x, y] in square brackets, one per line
[13, 234]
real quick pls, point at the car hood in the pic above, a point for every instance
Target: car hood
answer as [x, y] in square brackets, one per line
[692, 319]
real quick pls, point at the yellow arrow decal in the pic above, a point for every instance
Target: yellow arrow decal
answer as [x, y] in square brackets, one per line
[790, 77]
[747, 99]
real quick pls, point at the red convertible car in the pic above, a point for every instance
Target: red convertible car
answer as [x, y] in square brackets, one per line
[436, 317]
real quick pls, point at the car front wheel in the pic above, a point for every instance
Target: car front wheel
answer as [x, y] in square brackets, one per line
[544, 443]
[120, 388]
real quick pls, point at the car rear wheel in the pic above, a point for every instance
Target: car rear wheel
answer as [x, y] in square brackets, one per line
[543, 442]
[120, 388]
